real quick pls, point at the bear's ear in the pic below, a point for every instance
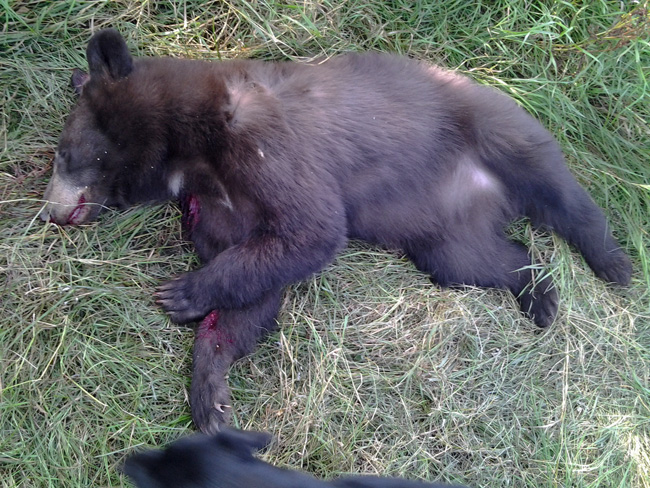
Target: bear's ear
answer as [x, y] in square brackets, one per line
[108, 55]
[78, 80]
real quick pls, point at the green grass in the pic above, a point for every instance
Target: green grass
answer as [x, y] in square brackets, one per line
[373, 369]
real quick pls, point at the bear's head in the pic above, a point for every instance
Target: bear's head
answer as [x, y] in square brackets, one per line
[111, 146]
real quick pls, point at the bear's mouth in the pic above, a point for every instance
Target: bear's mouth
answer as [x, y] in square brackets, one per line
[77, 214]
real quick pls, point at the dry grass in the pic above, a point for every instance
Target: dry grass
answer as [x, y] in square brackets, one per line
[373, 369]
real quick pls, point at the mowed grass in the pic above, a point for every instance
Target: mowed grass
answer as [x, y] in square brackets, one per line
[373, 369]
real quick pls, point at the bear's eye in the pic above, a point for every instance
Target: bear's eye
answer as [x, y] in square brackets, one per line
[77, 165]
[62, 157]
[70, 162]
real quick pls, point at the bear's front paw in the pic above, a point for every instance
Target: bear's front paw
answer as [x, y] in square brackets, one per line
[210, 407]
[185, 298]
[209, 394]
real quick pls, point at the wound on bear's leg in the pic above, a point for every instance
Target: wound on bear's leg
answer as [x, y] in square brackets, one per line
[208, 326]
[191, 208]
[209, 330]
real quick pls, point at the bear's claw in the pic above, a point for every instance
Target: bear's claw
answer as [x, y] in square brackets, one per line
[182, 299]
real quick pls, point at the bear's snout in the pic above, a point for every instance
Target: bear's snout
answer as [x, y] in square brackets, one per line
[67, 204]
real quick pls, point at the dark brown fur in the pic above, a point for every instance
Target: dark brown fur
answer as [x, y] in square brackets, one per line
[278, 164]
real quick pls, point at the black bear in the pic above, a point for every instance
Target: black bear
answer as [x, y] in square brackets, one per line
[226, 460]
[276, 165]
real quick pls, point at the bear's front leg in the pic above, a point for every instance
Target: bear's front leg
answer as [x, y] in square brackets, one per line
[221, 338]
[243, 273]
[290, 235]
[209, 394]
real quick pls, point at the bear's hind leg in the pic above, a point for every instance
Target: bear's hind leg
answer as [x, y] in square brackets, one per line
[221, 338]
[574, 216]
[489, 261]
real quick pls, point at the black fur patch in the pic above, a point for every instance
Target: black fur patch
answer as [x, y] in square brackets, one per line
[226, 460]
